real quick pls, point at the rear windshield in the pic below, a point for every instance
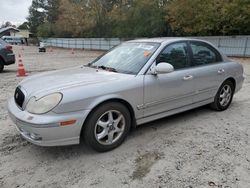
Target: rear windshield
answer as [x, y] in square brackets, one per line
[2, 42]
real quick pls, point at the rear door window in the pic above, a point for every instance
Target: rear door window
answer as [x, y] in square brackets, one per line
[204, 54]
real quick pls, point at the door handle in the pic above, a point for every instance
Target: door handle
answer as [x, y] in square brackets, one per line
[188, 77]
[221, 71]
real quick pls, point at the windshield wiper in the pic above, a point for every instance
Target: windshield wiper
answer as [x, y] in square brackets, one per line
[89, 65]
[102, 67]
[107, 68]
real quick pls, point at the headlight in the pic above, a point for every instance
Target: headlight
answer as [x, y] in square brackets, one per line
[44, 104]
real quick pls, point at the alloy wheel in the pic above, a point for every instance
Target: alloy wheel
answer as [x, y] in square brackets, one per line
[109, 127]
[225, 95]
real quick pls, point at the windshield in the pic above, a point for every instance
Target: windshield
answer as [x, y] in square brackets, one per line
[126, 58]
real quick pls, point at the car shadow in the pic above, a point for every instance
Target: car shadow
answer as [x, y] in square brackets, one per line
[5, 71]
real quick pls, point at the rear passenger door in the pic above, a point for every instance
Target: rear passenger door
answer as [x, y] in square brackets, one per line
[208, 71]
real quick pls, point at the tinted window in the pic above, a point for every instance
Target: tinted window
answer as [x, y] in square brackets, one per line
[176, 55]
[204, 54]
[2, 43]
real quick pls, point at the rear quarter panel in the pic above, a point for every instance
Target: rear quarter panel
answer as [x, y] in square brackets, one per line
[234, 70]
[7, 56]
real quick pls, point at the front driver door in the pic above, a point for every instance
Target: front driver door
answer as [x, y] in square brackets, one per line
[165, 92]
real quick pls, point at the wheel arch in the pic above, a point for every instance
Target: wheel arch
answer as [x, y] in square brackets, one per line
[118, 100]
[2, 63]
[231, 79]
[2, 60]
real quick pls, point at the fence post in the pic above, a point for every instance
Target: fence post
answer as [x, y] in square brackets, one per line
[245, 49]
[219, 43]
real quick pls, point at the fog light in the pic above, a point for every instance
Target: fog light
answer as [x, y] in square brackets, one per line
[35, 136]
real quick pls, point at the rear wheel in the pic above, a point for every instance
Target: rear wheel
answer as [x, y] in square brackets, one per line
[224, 96]
[107, 126]
[1, 66]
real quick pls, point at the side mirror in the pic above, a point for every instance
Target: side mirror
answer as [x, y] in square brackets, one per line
[163, 68]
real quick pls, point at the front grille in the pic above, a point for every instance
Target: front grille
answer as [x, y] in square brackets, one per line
[19, 97]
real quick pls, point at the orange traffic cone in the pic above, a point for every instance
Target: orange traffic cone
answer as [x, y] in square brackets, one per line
[72, 51]
[21, 70]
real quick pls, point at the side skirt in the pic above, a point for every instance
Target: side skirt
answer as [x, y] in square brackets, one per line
[173, 111]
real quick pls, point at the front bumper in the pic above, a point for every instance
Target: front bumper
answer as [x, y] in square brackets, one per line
[45, 130]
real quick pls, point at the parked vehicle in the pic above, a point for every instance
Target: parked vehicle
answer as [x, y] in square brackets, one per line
[136, 82]
[42, 47]
[14, 40]
[7, 57]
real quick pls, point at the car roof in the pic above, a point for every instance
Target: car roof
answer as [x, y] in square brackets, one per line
[165, 39]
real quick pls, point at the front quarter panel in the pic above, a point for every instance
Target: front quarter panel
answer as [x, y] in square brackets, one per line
[88, 97]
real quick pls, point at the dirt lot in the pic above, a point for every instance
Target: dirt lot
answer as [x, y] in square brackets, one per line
[199, 148]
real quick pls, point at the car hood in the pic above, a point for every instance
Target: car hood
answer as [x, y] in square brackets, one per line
[63, 79]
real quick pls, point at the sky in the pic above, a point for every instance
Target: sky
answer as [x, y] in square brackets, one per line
[14, 11]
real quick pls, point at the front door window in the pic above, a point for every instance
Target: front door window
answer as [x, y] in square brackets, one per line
[176, 55]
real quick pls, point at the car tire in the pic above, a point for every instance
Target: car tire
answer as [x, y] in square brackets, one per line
[1, 67]
[107, 127]
[224, 96]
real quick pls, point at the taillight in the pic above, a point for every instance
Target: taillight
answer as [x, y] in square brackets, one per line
[8, 47]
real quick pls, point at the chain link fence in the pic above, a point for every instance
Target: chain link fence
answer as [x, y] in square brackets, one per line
[83, 43]
[229, 45]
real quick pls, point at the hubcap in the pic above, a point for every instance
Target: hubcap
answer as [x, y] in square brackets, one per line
[109, 127]
[225, 95]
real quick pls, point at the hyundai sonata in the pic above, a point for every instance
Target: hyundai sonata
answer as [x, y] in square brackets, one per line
[134, 83]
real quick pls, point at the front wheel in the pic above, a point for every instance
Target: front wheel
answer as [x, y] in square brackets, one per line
[224, 96]
[107, 126]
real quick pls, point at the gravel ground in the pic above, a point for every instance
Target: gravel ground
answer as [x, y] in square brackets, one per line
[199, 148]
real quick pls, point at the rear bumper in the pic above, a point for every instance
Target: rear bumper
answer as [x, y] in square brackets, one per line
[10, 59]
[42, 49]
[239, 83]
[45, 130]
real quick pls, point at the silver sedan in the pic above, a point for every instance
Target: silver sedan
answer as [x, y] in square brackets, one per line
[134, 83]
